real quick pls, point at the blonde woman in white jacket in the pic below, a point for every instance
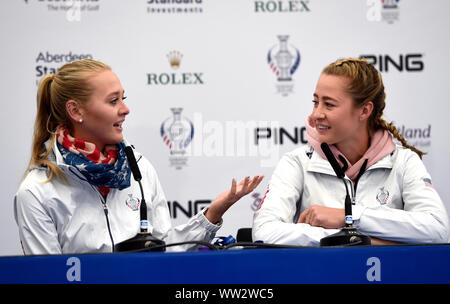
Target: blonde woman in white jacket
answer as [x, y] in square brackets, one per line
[394, 197]
[78, 195]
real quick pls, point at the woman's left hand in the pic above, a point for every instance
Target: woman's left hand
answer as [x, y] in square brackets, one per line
[226, 199]
[322, 216]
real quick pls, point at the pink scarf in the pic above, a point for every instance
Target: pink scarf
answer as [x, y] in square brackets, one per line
[381, 144]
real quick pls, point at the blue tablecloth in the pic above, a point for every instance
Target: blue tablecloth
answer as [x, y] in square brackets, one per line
[366, 264]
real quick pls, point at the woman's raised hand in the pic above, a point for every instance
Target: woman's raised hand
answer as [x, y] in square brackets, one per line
[226, 199]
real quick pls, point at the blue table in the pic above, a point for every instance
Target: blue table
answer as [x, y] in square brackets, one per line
[367, 264]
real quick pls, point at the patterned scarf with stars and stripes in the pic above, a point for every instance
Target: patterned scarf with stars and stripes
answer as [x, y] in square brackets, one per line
[105, 170]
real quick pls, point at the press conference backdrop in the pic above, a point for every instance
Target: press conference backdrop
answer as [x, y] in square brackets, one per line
[221, 88]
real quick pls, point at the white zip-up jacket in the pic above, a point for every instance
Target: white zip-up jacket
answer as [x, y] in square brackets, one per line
[394, 199]
[60, 218]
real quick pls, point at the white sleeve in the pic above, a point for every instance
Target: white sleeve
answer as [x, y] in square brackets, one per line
[37, 231]
[423, 218]
[198, 228]
[274, 221]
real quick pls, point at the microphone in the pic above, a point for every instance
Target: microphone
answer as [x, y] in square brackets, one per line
[340, 174]
[333, 162]
[144, 239]
[133, 164]
[137, 177]
[348, 235]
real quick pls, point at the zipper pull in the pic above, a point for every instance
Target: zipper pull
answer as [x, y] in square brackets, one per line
[105, 208]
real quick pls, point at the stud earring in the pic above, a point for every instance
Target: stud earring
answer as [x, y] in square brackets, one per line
[81, 120]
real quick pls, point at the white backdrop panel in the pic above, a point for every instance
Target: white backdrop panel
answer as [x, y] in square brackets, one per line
[223, 84]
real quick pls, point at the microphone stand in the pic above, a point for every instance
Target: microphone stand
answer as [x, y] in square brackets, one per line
[349, 235]
[144, 240]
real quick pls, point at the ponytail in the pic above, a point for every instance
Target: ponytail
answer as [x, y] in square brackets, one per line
[394, 131]
[44, 127]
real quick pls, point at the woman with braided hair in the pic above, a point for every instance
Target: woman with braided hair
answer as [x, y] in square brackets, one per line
[394, 199]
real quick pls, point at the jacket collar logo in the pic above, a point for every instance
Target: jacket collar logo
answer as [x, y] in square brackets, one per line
[382, 196]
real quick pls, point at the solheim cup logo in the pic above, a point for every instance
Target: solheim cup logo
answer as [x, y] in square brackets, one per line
[283, 60]
[177, 133]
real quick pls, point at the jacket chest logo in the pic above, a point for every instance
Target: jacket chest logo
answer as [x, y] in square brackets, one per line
[133, 202]
[382, 196]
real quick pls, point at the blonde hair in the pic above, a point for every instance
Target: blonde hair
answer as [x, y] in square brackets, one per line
[366, 84]
[71, 82]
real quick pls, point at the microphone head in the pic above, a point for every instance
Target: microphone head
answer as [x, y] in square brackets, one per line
[133, 164]
[332, 160]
